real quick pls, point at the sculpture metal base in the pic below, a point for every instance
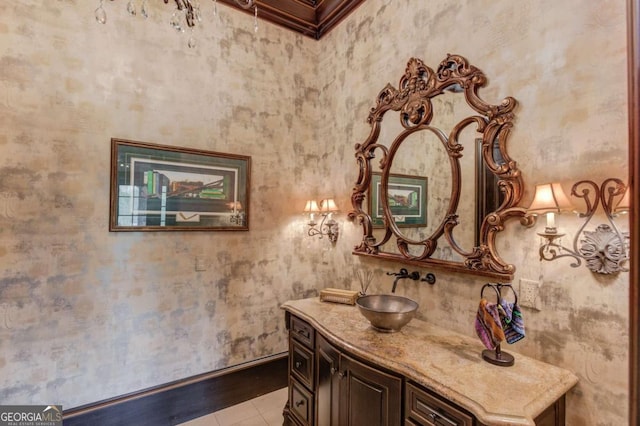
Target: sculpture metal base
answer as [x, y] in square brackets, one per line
[503, 359]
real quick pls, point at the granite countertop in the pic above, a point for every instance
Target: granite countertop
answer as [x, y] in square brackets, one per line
[446, 362]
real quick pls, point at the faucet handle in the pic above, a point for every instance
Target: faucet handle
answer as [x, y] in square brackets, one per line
[403, 273]
[430, 278]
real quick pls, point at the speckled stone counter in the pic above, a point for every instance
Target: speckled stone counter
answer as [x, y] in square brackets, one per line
[448, 363]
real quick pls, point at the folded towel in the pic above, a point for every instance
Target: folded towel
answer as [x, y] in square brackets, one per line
[488, 325]
[511, 320]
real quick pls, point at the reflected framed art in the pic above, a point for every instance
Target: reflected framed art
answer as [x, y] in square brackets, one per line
[407, 200]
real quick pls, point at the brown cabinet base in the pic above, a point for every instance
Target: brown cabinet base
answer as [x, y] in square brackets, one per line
[330, 387]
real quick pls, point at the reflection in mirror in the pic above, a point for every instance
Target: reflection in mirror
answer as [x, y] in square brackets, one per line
[488, 196]
[418, 191]
[424, 176]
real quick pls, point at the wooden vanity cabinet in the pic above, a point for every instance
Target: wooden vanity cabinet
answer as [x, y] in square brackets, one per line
[342, 390]
[341, 373]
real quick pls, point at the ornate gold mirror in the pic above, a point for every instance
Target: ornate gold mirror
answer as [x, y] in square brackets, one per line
[423, 202]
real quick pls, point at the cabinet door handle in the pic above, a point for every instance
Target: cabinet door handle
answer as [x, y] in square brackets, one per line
[298, 364]
[340, 373]
[299, 403]
[439, 420]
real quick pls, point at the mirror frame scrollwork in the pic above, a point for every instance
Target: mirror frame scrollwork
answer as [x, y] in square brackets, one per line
[413, 100]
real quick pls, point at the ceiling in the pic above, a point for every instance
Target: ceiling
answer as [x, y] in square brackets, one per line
[312, 18]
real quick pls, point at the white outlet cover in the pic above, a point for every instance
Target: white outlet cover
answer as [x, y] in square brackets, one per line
[529, 294]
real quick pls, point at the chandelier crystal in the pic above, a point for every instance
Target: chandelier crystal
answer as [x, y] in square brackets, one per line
[189, 9]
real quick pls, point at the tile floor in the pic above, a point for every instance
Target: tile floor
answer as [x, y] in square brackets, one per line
[265, 410]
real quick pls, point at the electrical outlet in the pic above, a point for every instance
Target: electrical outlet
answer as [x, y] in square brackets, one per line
[529, 294]
[201, 264]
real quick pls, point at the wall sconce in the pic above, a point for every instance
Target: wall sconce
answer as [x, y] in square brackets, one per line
[328, 226]
[237, 215]
[605, 250]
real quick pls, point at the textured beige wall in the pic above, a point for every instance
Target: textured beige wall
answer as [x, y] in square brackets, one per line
[86, 314]
[565, 62]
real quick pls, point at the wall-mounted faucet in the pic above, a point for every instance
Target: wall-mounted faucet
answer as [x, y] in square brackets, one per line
[415, 275]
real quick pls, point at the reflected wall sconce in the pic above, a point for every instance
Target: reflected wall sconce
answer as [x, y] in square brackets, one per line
[328, 226]
[605, 250]
[237, 215]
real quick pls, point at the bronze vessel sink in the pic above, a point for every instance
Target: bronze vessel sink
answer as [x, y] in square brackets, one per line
[387, 312]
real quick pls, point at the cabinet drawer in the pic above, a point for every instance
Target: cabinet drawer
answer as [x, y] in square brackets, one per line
[301, 403]
[429, 410]
[301, 362]
[302, 332]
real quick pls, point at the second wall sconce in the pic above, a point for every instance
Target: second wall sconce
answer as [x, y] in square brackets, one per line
[605, 250]
[237, 214]
[328, 226]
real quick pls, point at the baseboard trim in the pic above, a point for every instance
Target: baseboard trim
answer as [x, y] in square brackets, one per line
[186, 399]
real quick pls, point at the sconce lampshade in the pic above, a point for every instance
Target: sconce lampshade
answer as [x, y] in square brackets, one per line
[235, 205]
[311, 207]
[624, 205]
[550, 198]
[328, 206]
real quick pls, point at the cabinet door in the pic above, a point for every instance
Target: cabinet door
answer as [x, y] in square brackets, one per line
[369, 397]
[328, 383]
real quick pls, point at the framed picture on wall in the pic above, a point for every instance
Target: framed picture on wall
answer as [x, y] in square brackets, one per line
[167, 188]
[407, 197]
